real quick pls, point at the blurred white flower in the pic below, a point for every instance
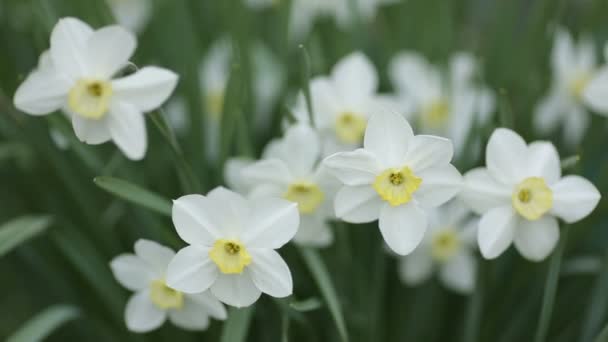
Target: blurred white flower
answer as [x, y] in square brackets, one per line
[596, 92]
[520, 195]
[394, 178]
[447, 248]
[132, 14]
[444, 104]
[342, 103]
[176, 112]
[232, 244]
[153, 301]
[290, 168]
[76, 75]
[233, 177]
[573, 66]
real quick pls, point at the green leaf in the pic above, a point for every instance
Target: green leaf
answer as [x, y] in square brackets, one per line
[135, 194]
[603, 335]
[44, 323]
[237, 325]
[596, 310]
[321, 275]
[19, 230]
[306, 305]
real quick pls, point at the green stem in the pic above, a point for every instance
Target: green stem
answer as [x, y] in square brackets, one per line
[306, 83]
[475, 306]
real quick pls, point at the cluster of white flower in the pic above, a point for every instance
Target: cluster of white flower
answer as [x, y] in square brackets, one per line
[354, 157]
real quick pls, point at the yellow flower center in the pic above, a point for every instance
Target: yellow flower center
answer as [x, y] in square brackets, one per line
[214, 102]
[90, 98]
[165, 297]
[532, 198]
[230, 256]
[396, 186]
[436, 113]
[444, 245]
[578, 84]
[308, 196]
[350, 127]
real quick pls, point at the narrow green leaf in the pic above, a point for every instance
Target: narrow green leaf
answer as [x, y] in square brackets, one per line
[236, 327]
[19, 230]
[596, 310]
[603, 335]
[321, 275]
[306, 305]
[570, 162]
[305, 80]
[135, 194]
[475, 305]
[44, 323]
[551, 288]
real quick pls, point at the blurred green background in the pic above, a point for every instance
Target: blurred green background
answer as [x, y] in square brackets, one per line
[68, 263]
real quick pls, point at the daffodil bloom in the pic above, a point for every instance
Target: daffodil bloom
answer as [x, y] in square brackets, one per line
[447, 248]
[342, 103]
[573, 66]
[290, 168]
[233, 177]
[521, 193]
[444, 104]
[232, 244]
[132, 14]
[393, 178]
[76, 75]
[144, 273]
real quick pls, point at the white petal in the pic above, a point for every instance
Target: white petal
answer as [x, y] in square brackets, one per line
[402, 227]
[127, 127]
[596, 92]
[358, 204]
[108, 50]
[549, 112]
[272, 171]
[427, 151]
[155, 254]
[91, 131]
[575, 125]
[190, 317]
[536, 239]
[233, 174]
[506, 155]
[68, 47]
[439, 185]
[270, 273]
[42, 92]
[301, 149]
[543, 161]
[146, 89]
[409, 72]
[236, 289]
[132, 272]
[574, 198]
[353, 168]
[211, 305]
[355, 76]
[191, 270]
[458, 273]
[195, 220]
[562, 56]
[272, 224]
[496, 231]
[388, 136]
[141, 315]
[313, 232]
[482, 192]
[416, 268]
[231, 209]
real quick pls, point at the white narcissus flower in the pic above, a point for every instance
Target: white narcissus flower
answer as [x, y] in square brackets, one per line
[232, 244]
[132, 14]
[573, 66]
[596, 92]
[393, 178]
[342, 103]
[447, 248]
[233, 177]
[520, 195]
[76, 75]
[290, 168]
[444, 104]
[144, 273]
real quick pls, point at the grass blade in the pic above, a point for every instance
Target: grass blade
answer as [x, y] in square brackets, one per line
[44, 323]
[603, 335]
[596, 310]
[134, 194]
[20, 230]
[236, 327]
[475, 305]
[317, 267]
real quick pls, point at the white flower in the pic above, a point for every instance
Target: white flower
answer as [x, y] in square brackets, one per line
[232, 244]
[573, 66]
[596, 92]
[233, 177]
[153, 301]
[342, 103]
[290, 169]
[447, 105]
[393, 178]
[176, 112]
[132, 14]
[520, 195]
[76, 76]
[447, 248]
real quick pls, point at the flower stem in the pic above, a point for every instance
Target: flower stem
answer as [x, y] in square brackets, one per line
[306, 83]
[475, 306]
